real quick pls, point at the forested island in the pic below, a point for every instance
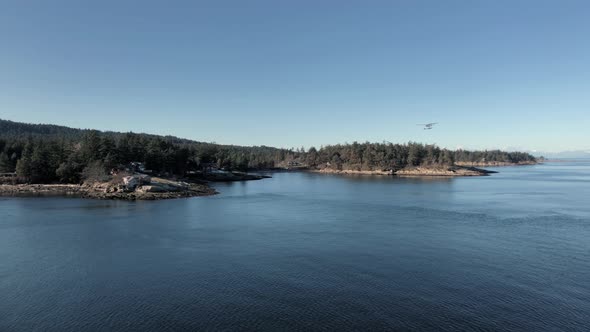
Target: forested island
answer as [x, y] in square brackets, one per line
[50, 154]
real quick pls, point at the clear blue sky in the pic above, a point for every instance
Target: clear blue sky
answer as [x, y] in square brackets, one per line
[506, 74]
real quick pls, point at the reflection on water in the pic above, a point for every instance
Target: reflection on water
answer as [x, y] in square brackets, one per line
[306, 251]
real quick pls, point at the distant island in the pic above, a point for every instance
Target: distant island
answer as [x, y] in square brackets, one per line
[40, 158]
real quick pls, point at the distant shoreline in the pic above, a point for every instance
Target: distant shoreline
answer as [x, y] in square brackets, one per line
[451, 171]
[496, 163]
[567, 160]
[460, 169]
[100, 190]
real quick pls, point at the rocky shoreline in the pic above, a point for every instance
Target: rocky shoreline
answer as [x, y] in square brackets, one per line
[415, 171]
[444, 171]
[351, 172]
[168, 189]
[131, 187]
[105, 191]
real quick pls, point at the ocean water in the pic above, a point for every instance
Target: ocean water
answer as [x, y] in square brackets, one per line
[308, 252]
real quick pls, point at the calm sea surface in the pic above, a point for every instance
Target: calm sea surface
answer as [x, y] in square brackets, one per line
[308, 252]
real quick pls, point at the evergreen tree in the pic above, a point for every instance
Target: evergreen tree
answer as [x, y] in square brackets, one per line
[48, 153]
[91, 146]
[5, 163]
[69, 172]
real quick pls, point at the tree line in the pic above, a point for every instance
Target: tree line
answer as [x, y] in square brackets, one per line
[48, 153]
[387, 156]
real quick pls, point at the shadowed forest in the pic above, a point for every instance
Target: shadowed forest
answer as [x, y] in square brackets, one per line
[50, 153]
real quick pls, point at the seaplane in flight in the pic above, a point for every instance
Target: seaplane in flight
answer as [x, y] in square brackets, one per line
[427, 126]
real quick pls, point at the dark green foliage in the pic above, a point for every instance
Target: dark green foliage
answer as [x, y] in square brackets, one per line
[5, 163]
[372, 156]
[69, 172]
[369, 156]
[46, 153]
[39, 160]
[90, 149]
[95, 171]
[25, 130]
